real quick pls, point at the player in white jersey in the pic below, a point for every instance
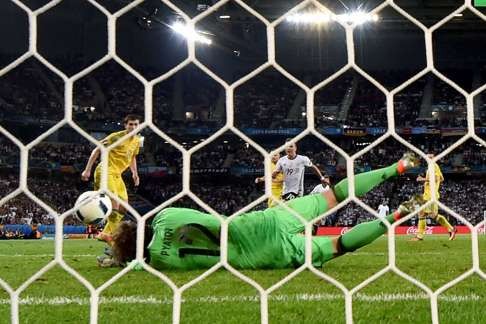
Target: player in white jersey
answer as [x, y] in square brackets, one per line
[293, 167]
[321, 188]
[383, 210]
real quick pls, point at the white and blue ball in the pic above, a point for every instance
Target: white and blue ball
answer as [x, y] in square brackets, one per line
[93, 207]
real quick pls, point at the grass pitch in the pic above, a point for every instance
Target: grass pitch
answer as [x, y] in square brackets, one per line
[139, 297]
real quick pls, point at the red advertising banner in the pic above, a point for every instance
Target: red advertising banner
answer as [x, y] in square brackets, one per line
[400, 230]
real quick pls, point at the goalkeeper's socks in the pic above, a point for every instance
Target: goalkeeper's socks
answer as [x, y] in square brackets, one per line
[365, 182]
[364, 233]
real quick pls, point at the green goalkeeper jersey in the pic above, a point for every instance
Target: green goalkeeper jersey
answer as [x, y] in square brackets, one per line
[188, 239]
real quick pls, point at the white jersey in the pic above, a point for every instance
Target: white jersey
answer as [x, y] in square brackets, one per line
[383, 210]
[293, 171]
[320, 188]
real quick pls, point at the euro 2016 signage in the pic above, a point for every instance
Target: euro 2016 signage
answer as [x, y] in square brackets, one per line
[354, 131]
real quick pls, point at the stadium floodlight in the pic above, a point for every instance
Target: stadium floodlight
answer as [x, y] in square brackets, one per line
[309, 18]
[355, 17]
[224, 17]
[190, 33]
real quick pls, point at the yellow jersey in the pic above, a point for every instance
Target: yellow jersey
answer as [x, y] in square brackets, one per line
[438, 180]
[277, 183]
[120, 157]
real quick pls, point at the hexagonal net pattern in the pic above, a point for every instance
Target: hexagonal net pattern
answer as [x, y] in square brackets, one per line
[229, 88]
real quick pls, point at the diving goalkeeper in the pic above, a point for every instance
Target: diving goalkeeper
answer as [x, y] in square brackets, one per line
[182, 238]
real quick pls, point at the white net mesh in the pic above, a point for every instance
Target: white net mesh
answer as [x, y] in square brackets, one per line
[230, 126]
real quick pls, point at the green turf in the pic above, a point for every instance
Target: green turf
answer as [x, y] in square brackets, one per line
[139, 297]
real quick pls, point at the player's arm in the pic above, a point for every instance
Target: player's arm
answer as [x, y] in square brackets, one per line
[94, 156]
[279, 178]
[439, 176]
[134, 169]
[278, 169]
[89, 166]
[421, 178]
[259, 179]
[324, 180]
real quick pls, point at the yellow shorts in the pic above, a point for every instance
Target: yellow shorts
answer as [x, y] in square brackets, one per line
[431, 210]
[271, 201]
[115, 184]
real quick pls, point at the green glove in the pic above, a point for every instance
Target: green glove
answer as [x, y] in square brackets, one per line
[135, 265]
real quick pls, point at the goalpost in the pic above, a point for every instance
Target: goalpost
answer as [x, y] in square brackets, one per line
[229, 89]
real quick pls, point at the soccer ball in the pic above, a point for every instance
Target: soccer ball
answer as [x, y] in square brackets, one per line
[93, 207]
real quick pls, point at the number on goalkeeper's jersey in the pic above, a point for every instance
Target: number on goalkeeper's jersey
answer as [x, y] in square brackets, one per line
[197, 240]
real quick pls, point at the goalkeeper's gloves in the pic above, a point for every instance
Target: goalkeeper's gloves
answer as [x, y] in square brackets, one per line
[137, 266]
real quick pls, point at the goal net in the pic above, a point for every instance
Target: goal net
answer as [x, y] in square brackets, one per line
[306, 110]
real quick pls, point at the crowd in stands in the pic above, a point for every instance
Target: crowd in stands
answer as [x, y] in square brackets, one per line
[368, 107]
[107, 94]
[64, 154]
[9, 152]
[233, 153]
[248, 158]
[265, 101]
[58, 193]
[224, 198]
[407, 104]
[213, 156]
[167, 156]
[195, 93]
[457, 194]
[227, 198]
[12, 235]
[450, 105]
[119, 93]
[25, 93]
[8, 183]
[22, 210]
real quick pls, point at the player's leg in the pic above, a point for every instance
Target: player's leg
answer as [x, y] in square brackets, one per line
[443, 221]
[421, 225]
[97, 181]
[365, 233]
[308, 207]
[276, 194]
[325, 248]
[365, 182]
[116, 186]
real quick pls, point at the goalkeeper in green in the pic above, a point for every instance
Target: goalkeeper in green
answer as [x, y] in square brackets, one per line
[181, 238]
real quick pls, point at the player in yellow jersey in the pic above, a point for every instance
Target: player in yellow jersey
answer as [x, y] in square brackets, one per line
[432, 210]
[277, 182]
[120, 158]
